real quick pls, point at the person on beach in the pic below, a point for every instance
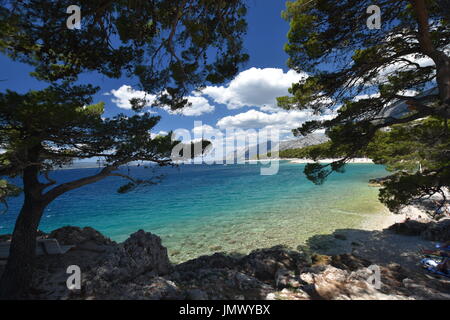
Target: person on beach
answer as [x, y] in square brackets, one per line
[444, 266]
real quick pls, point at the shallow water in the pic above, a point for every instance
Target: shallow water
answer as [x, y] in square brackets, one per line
[202, 209]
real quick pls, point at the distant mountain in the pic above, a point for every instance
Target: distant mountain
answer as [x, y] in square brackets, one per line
[401, 108]
[309, 140]
[250, 153]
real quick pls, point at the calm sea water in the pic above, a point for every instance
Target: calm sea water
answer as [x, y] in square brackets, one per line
[201, 209]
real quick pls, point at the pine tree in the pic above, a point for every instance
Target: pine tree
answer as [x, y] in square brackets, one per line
[394, 78]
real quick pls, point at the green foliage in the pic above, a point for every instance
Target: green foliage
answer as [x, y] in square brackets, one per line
[405, 146]
[402, 187]
[324, 150]
[314, 152]
[7, 190]
[418, 154]
[63, 125]
[172, 46]
[379, 66]
[50, 128]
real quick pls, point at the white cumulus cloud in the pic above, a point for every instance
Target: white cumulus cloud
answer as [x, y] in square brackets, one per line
[122, 96]
[199, 106]
[255, 87]
[284, 121]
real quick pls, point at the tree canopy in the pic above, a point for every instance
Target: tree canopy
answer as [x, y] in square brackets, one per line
[361, 74]
[171, 46]
[7, 190]
[50, 128]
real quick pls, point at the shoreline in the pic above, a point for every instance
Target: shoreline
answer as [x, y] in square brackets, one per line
[329, 160]
[302, 161]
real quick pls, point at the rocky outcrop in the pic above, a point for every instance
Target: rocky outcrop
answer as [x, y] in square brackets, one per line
[139, 268]
[78, 236]
[109, 270]
[409, 228]
[433, 231]
[262, 149]
[220, 276]
[264, 263]
[438, 231]
[331, 283]
[325, 281]
[141, 254]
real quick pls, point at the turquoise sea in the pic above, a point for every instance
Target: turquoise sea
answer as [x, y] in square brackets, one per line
[201, 209]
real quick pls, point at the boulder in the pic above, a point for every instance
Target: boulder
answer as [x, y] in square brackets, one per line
[142, 253]
[217, 260]
[330, 283]
[263, 264]
[409, 228]
[139, 268]
[349, 262]
[77, 236]
[287, 294]
[286, 279]
[340, 236]
[420, 291]
[320, 259]
[437, 231]
[146, 253]
[245, 282]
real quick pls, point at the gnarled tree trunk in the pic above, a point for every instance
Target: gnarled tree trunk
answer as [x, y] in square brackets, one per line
[16, 278]
[18, 272]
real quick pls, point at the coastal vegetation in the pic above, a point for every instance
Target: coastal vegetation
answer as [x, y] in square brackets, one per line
[314, 152]
[403, 66]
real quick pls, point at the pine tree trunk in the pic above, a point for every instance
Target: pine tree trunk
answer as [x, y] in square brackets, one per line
[17, 275]
[16, 278]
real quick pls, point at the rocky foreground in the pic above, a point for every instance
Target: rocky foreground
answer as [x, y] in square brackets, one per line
[139, 268]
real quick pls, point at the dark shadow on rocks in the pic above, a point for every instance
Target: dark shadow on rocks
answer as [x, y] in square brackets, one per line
[333, 266]
[380, 247]
[237, 276]
[401, 243]
[398, 255]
